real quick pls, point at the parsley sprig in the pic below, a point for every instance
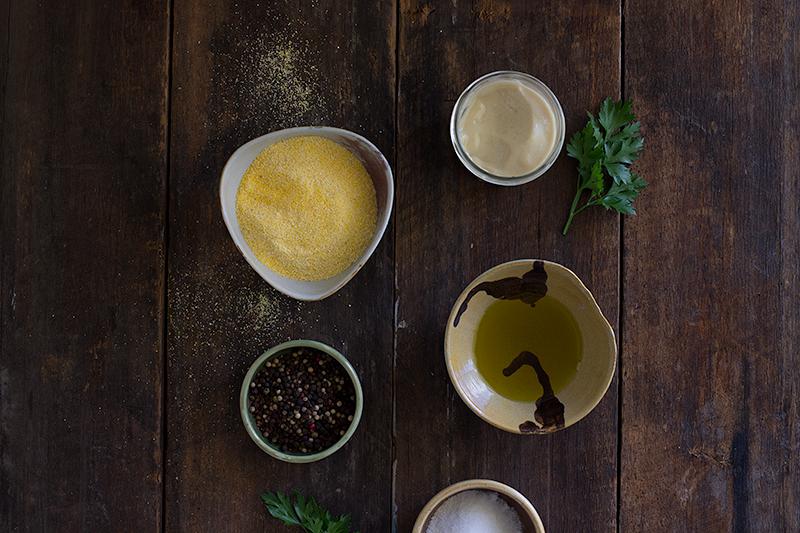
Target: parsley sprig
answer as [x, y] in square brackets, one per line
[605, 149]
[304, 512]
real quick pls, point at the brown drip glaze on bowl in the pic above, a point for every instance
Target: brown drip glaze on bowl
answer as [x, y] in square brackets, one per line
[549, 412]
[530, 288]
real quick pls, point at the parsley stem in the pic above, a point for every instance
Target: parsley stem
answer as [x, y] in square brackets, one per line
[573, 211]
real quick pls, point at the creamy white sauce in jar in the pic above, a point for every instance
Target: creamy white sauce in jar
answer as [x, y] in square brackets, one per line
[508, 127]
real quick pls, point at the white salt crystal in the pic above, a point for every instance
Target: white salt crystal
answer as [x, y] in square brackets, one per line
[474, 511]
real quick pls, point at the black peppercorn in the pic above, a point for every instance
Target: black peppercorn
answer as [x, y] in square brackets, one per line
[313, 407]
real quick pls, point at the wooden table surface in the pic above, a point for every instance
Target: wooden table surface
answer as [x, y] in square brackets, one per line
[129, 317]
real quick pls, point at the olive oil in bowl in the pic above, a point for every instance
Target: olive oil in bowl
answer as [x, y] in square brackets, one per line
[510, 327]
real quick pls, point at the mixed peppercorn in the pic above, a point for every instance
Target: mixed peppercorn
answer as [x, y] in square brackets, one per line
[302, 400]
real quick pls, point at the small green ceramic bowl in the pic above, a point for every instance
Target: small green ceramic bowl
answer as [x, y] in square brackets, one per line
[250, 424]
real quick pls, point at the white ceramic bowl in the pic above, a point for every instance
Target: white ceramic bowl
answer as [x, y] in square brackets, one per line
[373, 161]
[531, 523]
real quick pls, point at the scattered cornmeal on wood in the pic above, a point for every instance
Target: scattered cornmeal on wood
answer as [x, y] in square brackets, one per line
[307, 208]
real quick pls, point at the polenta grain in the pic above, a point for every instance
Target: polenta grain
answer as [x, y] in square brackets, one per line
[307, 208]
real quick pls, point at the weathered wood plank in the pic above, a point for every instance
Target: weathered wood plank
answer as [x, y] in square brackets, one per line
[242, 69]
[451, 227]
[711, 336]
[82, 269]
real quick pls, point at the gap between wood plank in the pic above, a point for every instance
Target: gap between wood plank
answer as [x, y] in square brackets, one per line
[165, 301]
[395, 295]
[620, 283]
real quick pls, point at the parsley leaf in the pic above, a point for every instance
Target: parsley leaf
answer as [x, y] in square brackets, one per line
[623, 149]
[280, 506]
[613, 116]
[595, 181]
[304, 512]
[585, 148]
[605, 148]
[620, 197]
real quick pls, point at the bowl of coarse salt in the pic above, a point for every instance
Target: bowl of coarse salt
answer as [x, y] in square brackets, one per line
[478, 506]
[307, 207]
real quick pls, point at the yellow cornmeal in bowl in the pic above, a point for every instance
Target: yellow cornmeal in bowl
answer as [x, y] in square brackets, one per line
[307, 208]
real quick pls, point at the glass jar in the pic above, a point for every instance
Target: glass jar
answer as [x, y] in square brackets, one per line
[465, 100]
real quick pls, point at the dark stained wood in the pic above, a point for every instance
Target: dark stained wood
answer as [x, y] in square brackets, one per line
[226, 90]
[82, 271]
[710, 293]
[711, 299]
[452, 226]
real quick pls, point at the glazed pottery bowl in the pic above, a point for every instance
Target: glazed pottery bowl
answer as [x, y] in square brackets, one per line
[250, 424]
[595, 369]
[378, 169]
[528, 517]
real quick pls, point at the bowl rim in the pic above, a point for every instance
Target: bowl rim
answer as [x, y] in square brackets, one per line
[511, 181]
[590, 298]
[252, 430]
[478, 484]
[232, 223]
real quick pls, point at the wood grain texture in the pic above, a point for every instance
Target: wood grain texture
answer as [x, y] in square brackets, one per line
[710, 296]
[243, 69]
[711, 337]
[82, 264]
[452, 226]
